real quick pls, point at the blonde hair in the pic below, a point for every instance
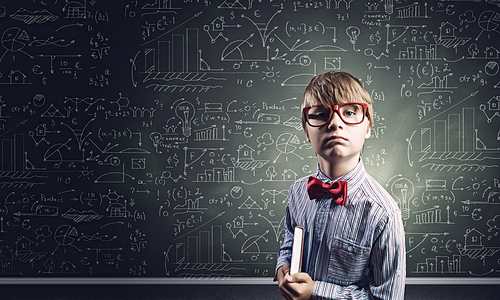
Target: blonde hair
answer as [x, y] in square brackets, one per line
[334, 88]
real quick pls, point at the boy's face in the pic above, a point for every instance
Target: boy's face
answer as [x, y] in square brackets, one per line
[337, 141]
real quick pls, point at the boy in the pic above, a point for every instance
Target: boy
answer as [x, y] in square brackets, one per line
[354, 245]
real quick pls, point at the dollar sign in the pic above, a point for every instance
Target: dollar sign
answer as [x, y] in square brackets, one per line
[44, 80]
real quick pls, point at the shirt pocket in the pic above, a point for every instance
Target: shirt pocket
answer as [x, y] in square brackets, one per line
[348, 262]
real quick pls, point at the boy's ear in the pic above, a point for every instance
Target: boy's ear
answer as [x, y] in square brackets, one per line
[307, 135]
[368, 132]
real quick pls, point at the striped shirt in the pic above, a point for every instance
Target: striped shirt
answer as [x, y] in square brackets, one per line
[355, 251]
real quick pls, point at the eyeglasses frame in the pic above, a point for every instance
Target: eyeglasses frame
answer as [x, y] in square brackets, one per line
[336, 108]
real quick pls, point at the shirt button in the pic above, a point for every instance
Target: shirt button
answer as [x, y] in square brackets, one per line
[349, 248]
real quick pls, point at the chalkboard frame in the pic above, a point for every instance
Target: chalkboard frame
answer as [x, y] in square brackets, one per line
[230, 281]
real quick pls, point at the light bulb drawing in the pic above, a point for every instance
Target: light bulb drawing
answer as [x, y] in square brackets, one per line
[353, 33]
[156, 137]
[185, 111]
[403, 190]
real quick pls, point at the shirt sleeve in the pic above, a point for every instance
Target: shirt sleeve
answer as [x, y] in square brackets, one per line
[285, 252]
[387, 270]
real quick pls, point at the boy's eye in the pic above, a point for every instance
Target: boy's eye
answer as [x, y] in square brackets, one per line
[319, 116]
[350, 110]
[319, 113]
[349, 113]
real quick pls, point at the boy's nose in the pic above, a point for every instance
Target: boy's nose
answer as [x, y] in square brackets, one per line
[335, 121]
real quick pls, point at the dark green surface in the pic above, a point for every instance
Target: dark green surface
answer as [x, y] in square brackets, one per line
[92, 130]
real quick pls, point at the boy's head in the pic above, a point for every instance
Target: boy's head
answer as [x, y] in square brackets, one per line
[335, 88]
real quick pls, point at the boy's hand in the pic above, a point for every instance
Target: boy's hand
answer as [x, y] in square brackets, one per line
[283, 272]
[298, 286]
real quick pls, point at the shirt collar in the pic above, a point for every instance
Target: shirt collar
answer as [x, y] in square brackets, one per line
[353, 178]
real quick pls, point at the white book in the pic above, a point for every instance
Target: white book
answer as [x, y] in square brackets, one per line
[298, 246]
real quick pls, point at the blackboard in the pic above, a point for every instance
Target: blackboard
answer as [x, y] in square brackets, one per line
[157, 139]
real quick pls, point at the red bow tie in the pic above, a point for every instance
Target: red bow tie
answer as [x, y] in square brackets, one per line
[338, 190]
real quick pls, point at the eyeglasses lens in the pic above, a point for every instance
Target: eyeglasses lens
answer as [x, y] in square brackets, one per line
[350, 113]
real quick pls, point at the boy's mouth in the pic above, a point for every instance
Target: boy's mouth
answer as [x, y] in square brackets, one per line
[336, 139]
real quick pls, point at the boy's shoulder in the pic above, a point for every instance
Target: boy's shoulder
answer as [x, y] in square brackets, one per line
[301, 182]
[378, 194]
[305, 178]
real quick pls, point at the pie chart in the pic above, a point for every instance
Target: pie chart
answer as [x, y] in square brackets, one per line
[489, 20]
[14, 39]
[287, 143]
[491, 68]
[65, 235]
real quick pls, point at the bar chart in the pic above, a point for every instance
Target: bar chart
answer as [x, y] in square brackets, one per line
[205, 247]
[177, 55]
[455, 133]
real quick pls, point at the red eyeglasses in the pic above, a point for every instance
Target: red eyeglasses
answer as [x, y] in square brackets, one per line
[350, 113]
